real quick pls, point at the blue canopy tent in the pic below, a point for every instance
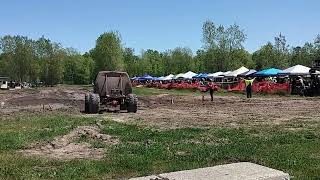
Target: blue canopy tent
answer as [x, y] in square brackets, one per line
[196, 76]
[204, 75]
[145, 78]
[201, 75]
[267, 72]
[158, 78]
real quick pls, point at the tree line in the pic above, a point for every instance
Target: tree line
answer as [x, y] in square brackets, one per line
[27, 60]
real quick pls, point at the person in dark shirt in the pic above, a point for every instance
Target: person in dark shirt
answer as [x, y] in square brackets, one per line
[249, 83]
[211, 89]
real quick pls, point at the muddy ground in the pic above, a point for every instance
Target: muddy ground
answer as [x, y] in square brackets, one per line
[161, 111]
[168, 111]
[43, 99]
[172, 111]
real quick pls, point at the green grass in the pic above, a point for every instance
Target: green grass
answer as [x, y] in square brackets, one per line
[150, 151]
[16, 133]
[145, 151]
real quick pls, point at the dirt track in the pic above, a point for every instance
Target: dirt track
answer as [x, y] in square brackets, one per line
[171, 111]
[45, 99]
[190, 111]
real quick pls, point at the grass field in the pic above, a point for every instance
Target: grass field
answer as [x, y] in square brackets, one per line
[143, 150]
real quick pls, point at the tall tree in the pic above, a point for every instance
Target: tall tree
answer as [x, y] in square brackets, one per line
[273, 55]
[51, 56]
[265, 57]
[199, 61]
[3, 65]
[282, 51]
[224, 47]
[235, 37]
[240, 57]
[152, 62]
[130, 61]
[107, 53]
[180, 60]
[316, 50]
[18, 58]
[209, 33]
[302, 55]
[78, 69]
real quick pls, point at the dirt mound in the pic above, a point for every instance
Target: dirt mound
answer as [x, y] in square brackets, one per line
[66, 147]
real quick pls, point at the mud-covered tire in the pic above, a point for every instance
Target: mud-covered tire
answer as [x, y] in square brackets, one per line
[132, 103]
[94, 103]
[86, 103]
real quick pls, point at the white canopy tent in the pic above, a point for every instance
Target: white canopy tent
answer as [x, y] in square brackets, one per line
[189, 75]
[160, 78]
[224, 73]
[235, 73]
[216, 74]
[296, 70]
[178, 76]
[169, 77]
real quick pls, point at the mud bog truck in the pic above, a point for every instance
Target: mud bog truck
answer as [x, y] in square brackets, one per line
[112, 92]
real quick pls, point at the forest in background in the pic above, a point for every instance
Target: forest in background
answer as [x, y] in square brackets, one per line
[28, 60]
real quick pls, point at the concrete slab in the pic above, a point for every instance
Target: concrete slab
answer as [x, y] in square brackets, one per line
[235, 171]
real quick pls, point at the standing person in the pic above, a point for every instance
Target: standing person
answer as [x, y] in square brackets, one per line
[206, 86]
[293, 86]
[203, 87]
[211, 89]
[302, 86]
[248, 83]
[211, 93]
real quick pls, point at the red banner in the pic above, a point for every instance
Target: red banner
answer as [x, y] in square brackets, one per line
[262, 87]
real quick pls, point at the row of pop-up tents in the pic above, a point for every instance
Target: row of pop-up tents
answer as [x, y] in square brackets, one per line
[297, 70]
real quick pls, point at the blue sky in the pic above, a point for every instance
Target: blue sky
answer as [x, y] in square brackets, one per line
[160, 25]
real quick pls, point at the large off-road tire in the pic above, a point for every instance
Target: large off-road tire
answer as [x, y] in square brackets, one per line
[132, 103]
[86, 103]
[94, 103]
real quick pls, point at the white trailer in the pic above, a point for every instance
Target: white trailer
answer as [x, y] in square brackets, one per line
[4, 83]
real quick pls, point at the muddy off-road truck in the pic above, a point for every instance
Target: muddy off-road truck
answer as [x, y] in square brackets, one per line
[112, 91]
[314, 82]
